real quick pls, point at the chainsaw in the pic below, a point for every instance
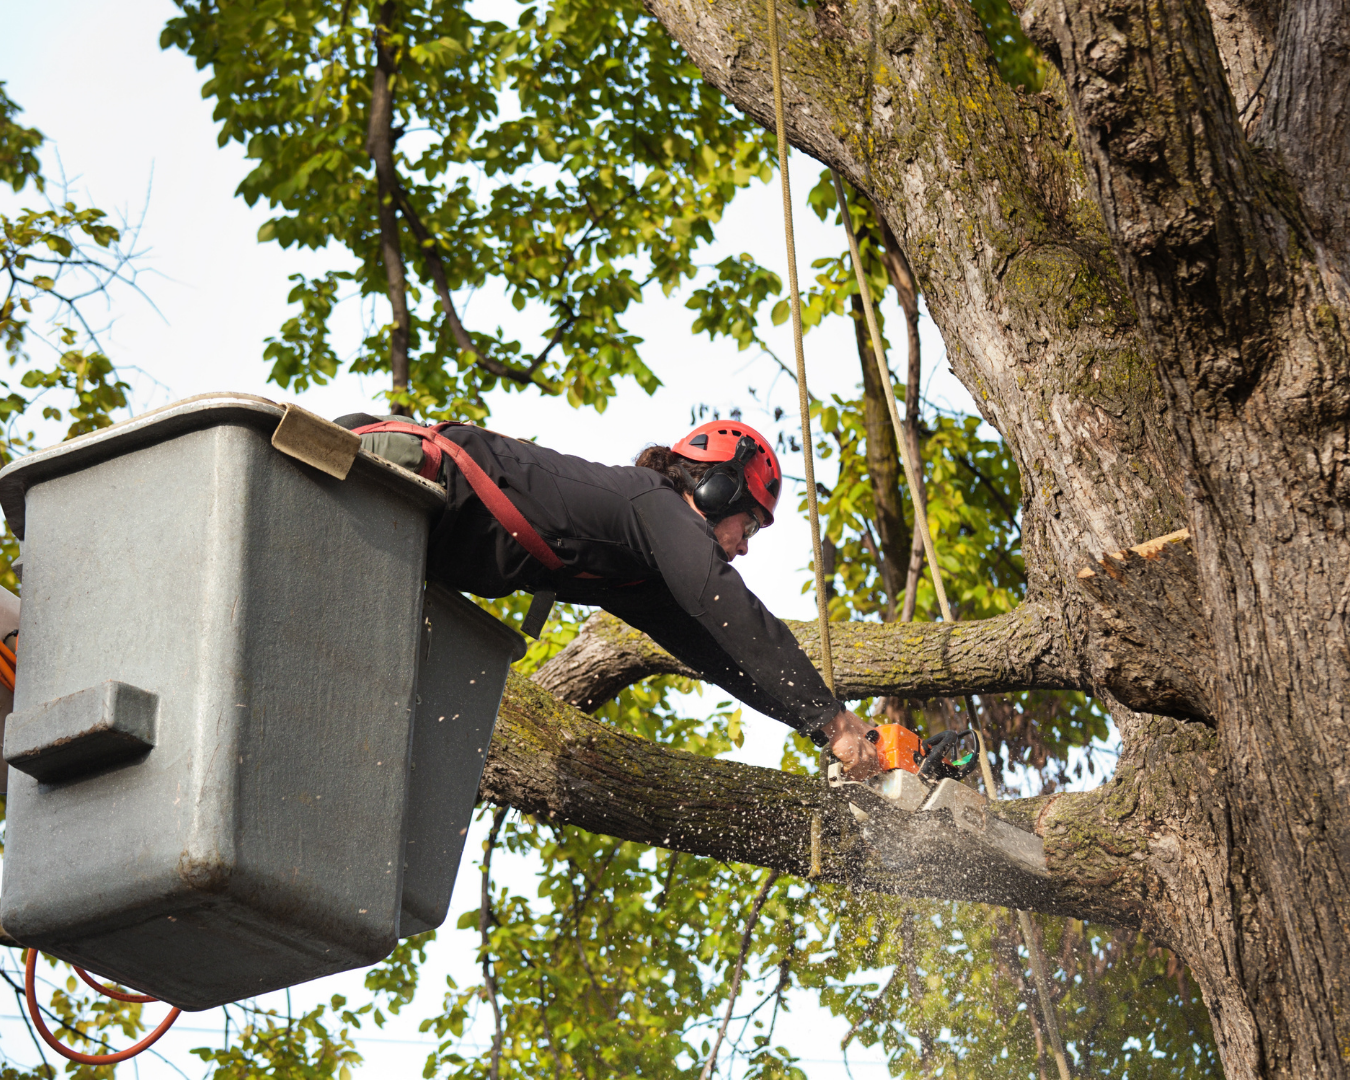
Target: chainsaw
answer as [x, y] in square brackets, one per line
[916, 773]
[919, 794]
[929, 759]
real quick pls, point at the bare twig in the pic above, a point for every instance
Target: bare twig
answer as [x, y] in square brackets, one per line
[664, 896]
[60, 1024]
[869, 542]
[117, 263]
[870, 1009]
[786, 370]
[611, 1006]
[784, 978]
[548, 1028]
[426, 243]
[997, 495]
[23, 1015]
[485, 920]
[758, 906]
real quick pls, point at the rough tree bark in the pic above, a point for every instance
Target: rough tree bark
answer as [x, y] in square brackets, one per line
[1141, 276]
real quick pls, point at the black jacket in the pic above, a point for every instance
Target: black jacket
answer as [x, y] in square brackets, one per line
[630, 544]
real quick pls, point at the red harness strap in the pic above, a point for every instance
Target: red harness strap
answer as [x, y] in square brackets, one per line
[434, 445]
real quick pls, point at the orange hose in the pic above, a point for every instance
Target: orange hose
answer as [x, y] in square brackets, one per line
[30, 992]
[108, 991]
[9, 664]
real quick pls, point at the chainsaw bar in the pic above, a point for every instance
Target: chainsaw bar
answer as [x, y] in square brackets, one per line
[897, 808]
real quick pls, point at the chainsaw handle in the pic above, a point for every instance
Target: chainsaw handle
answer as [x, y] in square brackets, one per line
[936, 749]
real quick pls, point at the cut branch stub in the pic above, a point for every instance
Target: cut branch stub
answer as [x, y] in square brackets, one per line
[1145, 600]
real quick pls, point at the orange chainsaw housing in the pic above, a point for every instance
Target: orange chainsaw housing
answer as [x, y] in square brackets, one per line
[896, 747]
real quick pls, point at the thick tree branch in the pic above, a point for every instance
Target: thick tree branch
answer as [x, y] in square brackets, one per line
[1153, 648]
[1023, 650]
[606, 655]
[550, 759]
[380, 147]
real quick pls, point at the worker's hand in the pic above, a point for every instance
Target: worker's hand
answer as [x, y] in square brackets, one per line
[847, 733]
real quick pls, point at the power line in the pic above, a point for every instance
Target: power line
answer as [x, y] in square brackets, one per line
[359, 1038]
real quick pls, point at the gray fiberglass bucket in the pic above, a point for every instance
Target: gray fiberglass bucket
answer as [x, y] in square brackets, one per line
[209, 788]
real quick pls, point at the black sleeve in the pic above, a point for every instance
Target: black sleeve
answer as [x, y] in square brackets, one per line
[716, 625]
[653, 610]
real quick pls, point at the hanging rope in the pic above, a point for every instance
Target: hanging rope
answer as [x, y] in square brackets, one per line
[911, 473]
[804, 405]
[803, 399]
[921, 524]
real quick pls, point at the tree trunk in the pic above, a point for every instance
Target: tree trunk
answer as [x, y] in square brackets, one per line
[380, 140]
[1141, 276]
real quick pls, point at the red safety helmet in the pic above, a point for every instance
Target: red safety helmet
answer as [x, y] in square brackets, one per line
[718, 441]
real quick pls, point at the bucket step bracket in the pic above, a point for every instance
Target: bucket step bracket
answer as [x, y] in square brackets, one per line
[82, 732]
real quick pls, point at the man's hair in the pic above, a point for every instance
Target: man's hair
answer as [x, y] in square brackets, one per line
[681, 471]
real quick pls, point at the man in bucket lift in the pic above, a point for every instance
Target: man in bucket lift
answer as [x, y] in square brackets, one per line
[651, 543]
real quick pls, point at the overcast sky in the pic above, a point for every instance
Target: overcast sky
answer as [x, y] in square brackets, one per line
[128, 125]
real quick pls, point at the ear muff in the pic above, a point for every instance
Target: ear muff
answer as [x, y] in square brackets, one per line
[723, 486]
[718, 491]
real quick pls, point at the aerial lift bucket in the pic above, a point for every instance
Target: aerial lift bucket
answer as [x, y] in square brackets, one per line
[209, 792]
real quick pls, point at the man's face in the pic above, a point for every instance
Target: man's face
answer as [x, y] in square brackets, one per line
[734, 533]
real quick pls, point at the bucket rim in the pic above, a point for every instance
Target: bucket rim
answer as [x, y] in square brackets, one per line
[177, 418]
